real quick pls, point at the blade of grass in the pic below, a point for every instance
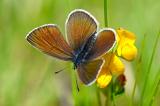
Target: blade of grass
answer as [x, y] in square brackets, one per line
[156, 89]
[98, 96]
[149, 68]
[112, 94]
[105, 13]
[138, 64]
[69, 6]
[106, 25]
[108, 98]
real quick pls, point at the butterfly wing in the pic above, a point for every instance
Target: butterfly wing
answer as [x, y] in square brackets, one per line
[80, 25]
[48, 39]
[88, 71]
[106, 39]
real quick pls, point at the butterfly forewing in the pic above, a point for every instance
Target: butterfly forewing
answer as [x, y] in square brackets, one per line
[48, 39]
[106, 39]
[89, 71]
[80, 25]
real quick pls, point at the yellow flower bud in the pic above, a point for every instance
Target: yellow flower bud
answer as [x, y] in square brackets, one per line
[126, 47]
[104, 79]
[129, 52]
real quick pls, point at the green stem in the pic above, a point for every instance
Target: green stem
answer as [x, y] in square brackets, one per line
[112, 94]
[105, 13]
[106, 25]
[149, 68]
[98, 96]
[108, 98]
[138, 64]
[69, 6]
[156, 89]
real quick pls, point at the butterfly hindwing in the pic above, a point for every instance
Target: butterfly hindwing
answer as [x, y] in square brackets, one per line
[80, 25]
[48, 39]
[88, 71]
[106, 39]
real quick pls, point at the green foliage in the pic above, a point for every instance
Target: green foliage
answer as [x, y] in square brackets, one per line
[27, 76]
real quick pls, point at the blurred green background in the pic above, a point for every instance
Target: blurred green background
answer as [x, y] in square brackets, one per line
[27, 76]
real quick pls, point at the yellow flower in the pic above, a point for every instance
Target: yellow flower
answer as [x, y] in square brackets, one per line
[126, 47]
[113, 65]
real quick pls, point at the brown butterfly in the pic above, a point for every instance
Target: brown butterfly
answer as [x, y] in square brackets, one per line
[83, 47]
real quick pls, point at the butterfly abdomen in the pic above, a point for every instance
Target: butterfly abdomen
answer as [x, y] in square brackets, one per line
[81, 55]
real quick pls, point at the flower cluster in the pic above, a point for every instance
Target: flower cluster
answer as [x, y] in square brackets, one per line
[125, 49]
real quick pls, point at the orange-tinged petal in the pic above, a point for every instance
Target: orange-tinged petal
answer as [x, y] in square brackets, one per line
[119, 52]
[126, 36]
[116, 66]
[113, 65]
[129, 52]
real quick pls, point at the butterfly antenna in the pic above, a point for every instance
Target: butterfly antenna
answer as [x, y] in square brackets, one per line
[76, 78]
[77, 85]
[60, 70]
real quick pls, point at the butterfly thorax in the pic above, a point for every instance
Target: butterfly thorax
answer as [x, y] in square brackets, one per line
[82, 54]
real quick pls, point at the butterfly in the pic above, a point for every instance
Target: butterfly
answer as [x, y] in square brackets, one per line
[84, 47]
